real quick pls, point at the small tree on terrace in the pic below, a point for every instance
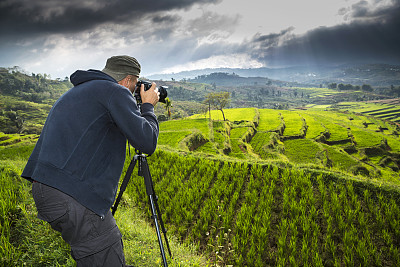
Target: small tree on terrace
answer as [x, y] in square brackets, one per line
[218, 100]
[168, 106]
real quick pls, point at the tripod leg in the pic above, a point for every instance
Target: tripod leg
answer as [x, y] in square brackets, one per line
[124, 184]
[153, 211]
[162, 226]
[145, 172]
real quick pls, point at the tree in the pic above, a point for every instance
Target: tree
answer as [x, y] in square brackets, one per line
[218, 100]
[367, 88]
[168, 106]
[342, 86]
[332, 85]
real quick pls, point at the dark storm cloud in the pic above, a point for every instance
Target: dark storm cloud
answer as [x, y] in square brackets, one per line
[165, 19]
[27, 17]
[360, 9]
[273, 39]
[372, 36]
[364, 10]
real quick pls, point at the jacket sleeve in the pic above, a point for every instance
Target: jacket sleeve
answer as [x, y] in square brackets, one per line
[139, 127]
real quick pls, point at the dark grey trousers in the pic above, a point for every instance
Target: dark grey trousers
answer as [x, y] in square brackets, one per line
[94, 241]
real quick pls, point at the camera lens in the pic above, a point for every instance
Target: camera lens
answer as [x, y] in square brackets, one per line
[163, 93]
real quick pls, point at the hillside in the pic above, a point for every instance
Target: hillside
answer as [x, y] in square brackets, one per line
[236, 212]
[312, 138]
[267, 187]
[25, 99]
[300, 176]
[374, 74]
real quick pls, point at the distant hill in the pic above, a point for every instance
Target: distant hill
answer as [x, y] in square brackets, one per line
[25, 99]
[374, 74]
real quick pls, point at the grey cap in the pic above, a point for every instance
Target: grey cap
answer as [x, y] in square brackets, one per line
[119, 67]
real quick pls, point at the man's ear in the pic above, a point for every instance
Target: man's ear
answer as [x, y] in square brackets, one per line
[124, 81]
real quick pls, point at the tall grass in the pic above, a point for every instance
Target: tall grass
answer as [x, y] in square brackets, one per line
[27, 241]
[302, 151]
[21, 245]
[269, 216]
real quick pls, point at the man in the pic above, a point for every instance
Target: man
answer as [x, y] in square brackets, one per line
[77, 162]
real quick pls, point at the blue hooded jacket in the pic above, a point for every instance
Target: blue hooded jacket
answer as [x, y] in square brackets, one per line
[81, 150]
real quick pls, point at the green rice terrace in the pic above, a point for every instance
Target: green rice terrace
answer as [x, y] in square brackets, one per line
[306, 187]
[381, 109]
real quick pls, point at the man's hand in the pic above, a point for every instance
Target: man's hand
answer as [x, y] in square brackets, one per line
[150, 96]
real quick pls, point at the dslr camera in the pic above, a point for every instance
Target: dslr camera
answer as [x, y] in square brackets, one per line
[161, 89]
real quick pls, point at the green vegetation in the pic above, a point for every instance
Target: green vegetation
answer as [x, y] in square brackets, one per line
[314, 127]
[339, 142]
[25, 100]
[188, 124]
[240, 114]
[315, 186]
[246, 160]
[293, 123]
[172, 138]
[27, 241]
[266, 215]
[388, 110]
[302, 150]
[270, 120]
[218, 100]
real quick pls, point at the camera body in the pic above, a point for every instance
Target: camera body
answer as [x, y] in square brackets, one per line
[147, 85]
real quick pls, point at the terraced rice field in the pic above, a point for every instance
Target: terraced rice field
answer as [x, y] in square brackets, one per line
[346, 141]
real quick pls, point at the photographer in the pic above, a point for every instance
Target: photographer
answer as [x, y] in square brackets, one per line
[78, 160]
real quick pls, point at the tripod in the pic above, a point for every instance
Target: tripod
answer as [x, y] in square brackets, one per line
[154, 209]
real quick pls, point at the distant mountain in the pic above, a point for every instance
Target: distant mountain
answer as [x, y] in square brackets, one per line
[373, 74]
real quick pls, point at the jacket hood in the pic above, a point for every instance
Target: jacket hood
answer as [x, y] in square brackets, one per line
[82, 76]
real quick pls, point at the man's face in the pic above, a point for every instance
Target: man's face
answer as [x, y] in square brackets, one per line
[132, 84]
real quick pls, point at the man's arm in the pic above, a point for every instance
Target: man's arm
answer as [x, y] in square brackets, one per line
[140, 127]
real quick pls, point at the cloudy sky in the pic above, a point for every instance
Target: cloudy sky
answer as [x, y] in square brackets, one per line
[57, 37]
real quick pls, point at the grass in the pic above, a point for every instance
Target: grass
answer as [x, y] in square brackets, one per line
[393, 143]
[10, 139]
[340, 159]
[184, 125]
[238, 132]
[172, 138]
[378, 110]
[315, 127]
[268, 215]
[19, 226]
[365, 138]
[317, 92]
[337, 131]
[34, 114]
[141, 244]
[302, 150]
[208, 147]
[238, 151]
[270, 120]
[237, 114]
[21, 245]
[260, 142]
[293, 123]
[340, 130]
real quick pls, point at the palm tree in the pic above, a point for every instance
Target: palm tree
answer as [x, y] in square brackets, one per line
[168, 106]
